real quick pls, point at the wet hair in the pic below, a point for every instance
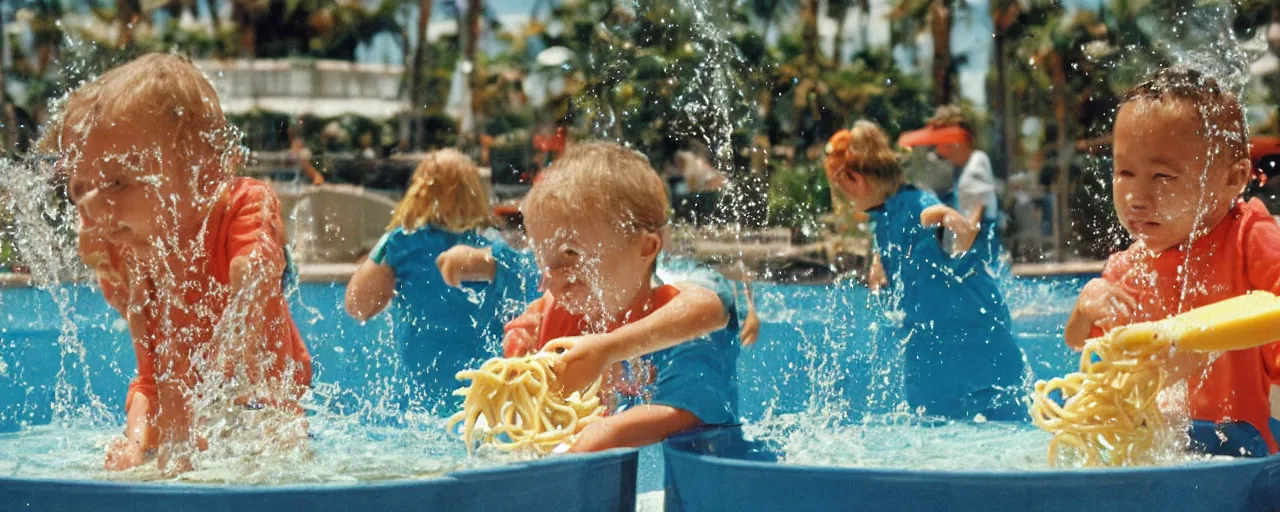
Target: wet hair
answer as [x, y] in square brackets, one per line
[948, 116]
[155, 86]
[604, 178]
[445, 191]
[1221, 118]
[864, 149]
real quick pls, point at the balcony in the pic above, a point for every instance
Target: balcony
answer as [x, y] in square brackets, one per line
[297, 87]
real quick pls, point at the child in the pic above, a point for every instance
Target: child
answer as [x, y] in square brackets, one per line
[440, 330]
[595, 222]
[961, 359]
[973, 191]
[192, 256]
[1181, 164]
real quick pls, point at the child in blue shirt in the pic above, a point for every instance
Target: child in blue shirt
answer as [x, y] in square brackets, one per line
[441, 327]
[960, 356]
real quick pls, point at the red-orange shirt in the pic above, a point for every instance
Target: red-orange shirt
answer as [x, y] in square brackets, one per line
[551, 322]
[1240, 254]
[245, 221]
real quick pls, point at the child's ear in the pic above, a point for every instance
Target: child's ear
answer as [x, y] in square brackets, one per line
[1241, 173]
[652, 244]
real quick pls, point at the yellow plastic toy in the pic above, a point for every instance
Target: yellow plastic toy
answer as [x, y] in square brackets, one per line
[1242, 322]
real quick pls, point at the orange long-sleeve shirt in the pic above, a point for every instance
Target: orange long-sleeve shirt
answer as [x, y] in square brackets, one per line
[1240, 254]
[245, 221]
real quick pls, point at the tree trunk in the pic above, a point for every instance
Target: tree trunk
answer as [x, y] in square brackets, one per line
[125, 16]
[1004, 102]
[940, 29]
[417, 82]
[809, 34]
[864, 25]
[1061, 224]
[475, 8]
[213, 17]
[10, 125]
[837, 52]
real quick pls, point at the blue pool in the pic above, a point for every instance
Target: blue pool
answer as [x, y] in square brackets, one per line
[809, 333]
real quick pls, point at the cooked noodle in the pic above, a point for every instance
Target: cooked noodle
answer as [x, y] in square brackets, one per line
[518, 399]
[1109, 415]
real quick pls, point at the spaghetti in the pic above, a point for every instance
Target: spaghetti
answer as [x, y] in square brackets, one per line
[1109, 414]
[519, 402]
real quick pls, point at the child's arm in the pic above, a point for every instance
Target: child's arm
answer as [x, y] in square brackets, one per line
[520, 335]
[370, 290]
[1101, 304]
[693, 313]
[964, 229]
[467, 264]
[634, 427]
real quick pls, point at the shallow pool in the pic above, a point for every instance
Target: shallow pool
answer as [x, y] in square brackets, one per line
[813, 348]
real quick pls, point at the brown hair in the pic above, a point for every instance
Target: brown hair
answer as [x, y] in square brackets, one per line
[445, 191]
[951, 115]
[864, 149]
[1214, 107]
[605, 177]
[154, 86]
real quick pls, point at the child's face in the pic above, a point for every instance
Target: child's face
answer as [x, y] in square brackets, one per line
[131, 182]
[956, 153]
[1166, 184]
[591, 264]
[854, 187]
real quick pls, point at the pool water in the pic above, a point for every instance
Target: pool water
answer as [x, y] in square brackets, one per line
[814, 352]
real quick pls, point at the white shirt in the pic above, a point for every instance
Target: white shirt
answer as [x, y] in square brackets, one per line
[977, 186]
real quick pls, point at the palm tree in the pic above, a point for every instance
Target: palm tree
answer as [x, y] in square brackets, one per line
[10, 123]
[417, 68]
[939, 15]
[475, 9]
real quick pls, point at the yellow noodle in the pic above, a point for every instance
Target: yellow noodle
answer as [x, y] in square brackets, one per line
[517, 398]
[1110, 415]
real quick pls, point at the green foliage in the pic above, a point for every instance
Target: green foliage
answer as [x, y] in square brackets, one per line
[798, 195]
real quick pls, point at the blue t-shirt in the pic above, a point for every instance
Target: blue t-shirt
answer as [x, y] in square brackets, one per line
[700, 376]
[441, 330]
[960, 357]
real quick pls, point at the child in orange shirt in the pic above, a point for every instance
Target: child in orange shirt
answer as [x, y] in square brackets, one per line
[192, 256]
[595, 223]
[1181, 164]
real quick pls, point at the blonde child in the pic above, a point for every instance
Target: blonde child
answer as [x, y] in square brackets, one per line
[1181, 164]
[595, 223]
[192, 256]
[961, 360]
[441, 325]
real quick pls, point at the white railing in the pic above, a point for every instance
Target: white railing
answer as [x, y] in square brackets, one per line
[300, 86]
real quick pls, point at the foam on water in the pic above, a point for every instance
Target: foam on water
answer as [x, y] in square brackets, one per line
[341, 452]
[904, 442]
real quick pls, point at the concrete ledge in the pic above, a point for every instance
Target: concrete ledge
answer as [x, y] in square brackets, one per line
[1070, 268]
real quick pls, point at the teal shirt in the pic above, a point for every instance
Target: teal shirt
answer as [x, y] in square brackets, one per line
[441, 330]
[960, 358]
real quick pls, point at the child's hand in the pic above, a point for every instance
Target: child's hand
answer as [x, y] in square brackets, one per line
[1105, 305]
[124, 453]
[582, 360]
[749, 331]
[463, 263]
[965, 232]
[876, 277]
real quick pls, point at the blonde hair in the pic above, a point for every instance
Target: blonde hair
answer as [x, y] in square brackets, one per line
[156, 86]
[608, 178]
[445, 191]
[864, 149]
[1219, 112]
